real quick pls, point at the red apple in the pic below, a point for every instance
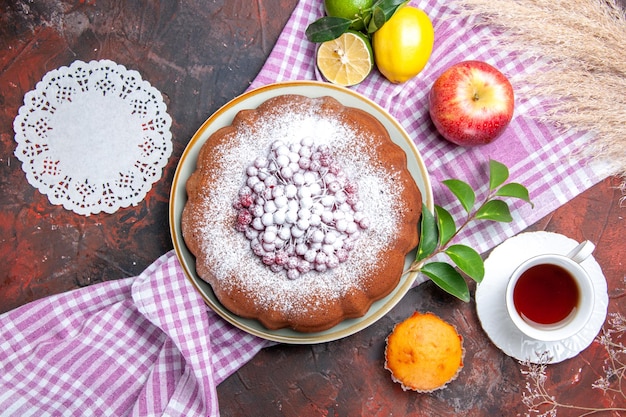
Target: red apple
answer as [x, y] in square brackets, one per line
[471, 103]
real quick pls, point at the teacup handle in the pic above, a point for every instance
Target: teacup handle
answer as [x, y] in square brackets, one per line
[581, 251]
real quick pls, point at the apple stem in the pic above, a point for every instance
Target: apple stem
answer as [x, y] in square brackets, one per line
[475, 98]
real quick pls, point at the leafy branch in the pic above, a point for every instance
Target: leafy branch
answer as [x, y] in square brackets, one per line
[438, 230]
[328, 28]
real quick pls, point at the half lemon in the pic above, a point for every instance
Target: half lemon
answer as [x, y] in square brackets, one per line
[347, 60]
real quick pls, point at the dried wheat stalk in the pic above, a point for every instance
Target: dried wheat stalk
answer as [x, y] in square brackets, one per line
[582, 43]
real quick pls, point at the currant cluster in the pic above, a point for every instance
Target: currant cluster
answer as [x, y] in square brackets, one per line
[298, 209]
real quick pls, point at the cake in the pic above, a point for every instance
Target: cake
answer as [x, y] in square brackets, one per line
[300, 213]
[424, 353]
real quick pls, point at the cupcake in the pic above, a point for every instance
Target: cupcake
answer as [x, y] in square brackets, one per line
[424, 353]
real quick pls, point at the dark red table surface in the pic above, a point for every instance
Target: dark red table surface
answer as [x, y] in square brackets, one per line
[200, 55]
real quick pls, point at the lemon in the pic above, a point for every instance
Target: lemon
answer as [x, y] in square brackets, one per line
[402, 46]
[346, 60]
[348, 9]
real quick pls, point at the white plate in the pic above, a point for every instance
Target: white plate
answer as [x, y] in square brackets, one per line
[223, 117]
[491, 307]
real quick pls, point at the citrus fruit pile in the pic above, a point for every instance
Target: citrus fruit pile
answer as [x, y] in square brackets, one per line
[357, 35]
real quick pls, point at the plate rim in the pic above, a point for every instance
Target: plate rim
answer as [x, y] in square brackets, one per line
[178, 191]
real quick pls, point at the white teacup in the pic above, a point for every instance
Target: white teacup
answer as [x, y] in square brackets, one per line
[550, 297]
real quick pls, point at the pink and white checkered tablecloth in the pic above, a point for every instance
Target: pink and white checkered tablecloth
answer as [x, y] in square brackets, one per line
[140, 346]
[148, 345]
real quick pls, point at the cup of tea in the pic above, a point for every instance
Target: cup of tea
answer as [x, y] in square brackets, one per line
[550, 297]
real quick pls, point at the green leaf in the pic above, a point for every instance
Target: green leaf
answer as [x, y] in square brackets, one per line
[327, 28]
[429, 235]
[498, 173]
[468, 261]
[463, 192]
[496, 210]
[377, 19]
[389, 7]
[447, 227]
[515, 190]
[448, 279]
[438, 230]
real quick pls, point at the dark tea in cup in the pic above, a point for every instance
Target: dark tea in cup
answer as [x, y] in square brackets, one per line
[551, 297]
[546, 294]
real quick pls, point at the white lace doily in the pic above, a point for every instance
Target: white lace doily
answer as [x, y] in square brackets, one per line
[93, 136]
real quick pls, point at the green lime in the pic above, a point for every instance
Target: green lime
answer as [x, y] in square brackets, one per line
[349, 9]
[346, 60]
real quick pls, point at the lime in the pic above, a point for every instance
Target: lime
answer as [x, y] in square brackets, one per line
[402, 46]
[348, 9]
[346, 60]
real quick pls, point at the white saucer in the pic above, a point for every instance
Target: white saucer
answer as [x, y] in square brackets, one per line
[491, 308]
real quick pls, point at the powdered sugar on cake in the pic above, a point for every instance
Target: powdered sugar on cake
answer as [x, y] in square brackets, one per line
[229, 252]
[299, 210]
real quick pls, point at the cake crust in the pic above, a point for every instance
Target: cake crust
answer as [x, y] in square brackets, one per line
[316, 301]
